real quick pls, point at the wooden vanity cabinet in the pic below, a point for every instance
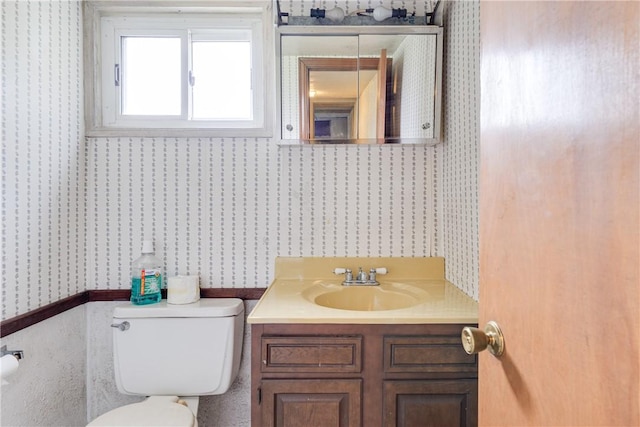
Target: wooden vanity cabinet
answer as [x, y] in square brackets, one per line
[322, 375]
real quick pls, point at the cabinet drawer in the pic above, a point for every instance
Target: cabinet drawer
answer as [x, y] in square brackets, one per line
[426, 354]
[311, 354]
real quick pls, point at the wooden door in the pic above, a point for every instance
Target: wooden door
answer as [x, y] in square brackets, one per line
[559, 212]
[381, 102]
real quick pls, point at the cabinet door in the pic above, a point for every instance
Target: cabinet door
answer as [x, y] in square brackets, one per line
[311, 403]
[450, 403]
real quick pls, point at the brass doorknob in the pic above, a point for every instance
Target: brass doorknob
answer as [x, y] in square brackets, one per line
[475, 340]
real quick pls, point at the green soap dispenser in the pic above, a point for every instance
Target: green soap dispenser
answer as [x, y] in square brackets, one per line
[146, 277]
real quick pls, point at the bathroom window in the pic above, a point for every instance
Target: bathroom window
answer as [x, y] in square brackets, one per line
[162, 70]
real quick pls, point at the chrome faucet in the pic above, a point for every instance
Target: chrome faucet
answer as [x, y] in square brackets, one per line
[361, 277]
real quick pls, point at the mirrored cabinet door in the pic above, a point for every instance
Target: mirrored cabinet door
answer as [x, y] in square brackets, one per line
[380, 87]
[319, 89]
[406, 92]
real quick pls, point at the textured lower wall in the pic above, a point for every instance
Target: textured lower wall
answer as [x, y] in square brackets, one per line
[49, 387]
[102, 393]
[231, 409]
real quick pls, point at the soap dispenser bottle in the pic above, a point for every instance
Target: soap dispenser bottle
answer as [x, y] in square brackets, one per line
[146, 277]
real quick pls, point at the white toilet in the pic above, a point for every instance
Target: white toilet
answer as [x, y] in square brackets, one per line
[173, 354]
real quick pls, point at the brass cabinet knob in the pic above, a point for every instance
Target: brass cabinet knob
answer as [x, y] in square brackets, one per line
[475, 340]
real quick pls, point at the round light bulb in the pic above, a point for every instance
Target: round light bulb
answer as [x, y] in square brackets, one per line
[381, 13]
[336, 14]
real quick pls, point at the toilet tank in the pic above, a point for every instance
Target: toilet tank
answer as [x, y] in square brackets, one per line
[180, 350]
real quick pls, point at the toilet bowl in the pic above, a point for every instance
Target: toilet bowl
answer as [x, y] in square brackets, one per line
[155, 411]
[173, 354]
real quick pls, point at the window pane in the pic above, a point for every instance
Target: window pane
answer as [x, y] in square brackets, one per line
[151, 76]
[222, 71]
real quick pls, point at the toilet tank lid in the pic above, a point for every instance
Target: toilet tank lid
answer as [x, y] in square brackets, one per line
[207, 307]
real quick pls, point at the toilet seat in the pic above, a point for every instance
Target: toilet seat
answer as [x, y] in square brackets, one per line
[157, 411]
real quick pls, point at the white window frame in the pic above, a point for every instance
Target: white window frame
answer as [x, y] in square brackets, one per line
[106, 22]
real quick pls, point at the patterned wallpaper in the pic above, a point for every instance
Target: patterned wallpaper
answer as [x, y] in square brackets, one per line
[458, 157]
[223, 208]
[43, 242]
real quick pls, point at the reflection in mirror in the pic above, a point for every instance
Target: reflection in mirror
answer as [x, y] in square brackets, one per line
[331, 104]
[340, 88]
[376, 87]
[302, 92]
[410, 90]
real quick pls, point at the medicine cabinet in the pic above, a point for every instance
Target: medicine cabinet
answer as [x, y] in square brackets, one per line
[360, 84]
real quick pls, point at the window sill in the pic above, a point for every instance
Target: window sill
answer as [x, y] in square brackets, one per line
[179, 133]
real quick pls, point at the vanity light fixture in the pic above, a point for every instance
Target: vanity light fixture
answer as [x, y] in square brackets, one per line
[369, 16]
[335, 15]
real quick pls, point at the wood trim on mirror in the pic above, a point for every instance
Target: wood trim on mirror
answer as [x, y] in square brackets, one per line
[383, 65]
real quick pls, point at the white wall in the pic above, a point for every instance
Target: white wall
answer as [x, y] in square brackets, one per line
[411, 86]
[222, 207]
[225, 208]
[43, 244]
[457, 158]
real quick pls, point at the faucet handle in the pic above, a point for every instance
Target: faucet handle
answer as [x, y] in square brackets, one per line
[381, 270]
[339, 270]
